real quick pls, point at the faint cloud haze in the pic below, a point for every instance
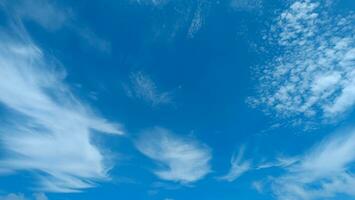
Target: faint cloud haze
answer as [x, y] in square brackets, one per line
[143, 87]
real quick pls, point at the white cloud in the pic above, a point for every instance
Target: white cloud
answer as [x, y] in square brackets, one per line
[40, 196]
[324, 172]
[183, 159]
[53, 16]
[44, 12]
[198, 19]
[47, 129]
[152, 2]
[143, 87]
[258, 186]
[12, 196]
[238, 167]
[93, 39]
[280, 162]
[185, 17]
[312, 74]
[246, 5]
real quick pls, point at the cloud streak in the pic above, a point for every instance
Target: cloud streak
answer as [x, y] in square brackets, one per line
[185, 17]
[199, 17]
[183, 159]
[246, 5]
[52, 16]
[47, 129]
[238, 167]
[12, 196]
[325, 171]
[45, 13]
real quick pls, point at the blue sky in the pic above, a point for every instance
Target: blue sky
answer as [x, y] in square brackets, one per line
[177, 100]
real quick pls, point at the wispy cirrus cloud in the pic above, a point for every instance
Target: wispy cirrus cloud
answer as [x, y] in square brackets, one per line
[183, 159]
[246, 5]
[46, 13]
[53, 16]
[325, 171]
[238, 167]
[12, 196]
[47, 129]
[143, 87]
[312, 74]
[199, 17]
[152, 2]
[185, 17]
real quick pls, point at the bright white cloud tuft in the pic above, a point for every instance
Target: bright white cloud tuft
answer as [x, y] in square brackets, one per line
[184, 160]
[312, 74]
[47, 129]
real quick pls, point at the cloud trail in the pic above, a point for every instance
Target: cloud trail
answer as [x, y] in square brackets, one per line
[325, 171]
[47, 129]
[238, 167]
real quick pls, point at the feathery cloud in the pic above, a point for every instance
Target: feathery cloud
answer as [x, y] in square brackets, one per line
[152, 2]
[144, 88]
[246, 5]
[46, 13]
[324, 172]
[47, 129]
[238, 167]
[184, 160]
[12, 196]
[185, 17]
[198, 19]
[53, 16]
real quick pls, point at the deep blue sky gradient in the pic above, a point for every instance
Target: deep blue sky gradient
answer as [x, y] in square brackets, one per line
[210, 77]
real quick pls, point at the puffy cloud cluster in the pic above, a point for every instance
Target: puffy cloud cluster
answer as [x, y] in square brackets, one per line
[312, 74]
